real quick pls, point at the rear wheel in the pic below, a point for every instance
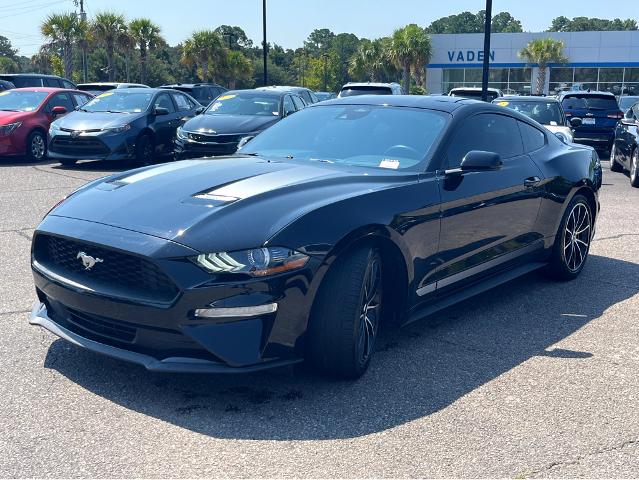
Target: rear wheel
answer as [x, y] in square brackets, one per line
[572, 242]
[145, 150]
[36, 146]
[634, 168]
[614, 165]
[347, 315]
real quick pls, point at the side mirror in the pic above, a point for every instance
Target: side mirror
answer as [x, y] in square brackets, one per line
[289, 112]
[58, 110]
[243, 141]
[199, 110]
[628, 121]
[477, 161]
[575, 122]
[161, 111]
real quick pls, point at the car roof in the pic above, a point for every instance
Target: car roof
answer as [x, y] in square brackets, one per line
[526, 98]
[109, 84]
[282, 88]
[441, 102]
[46, 90]
[29, 75]
[189, 85]
[369, 84]
[473, 89]
[261, 90]
[586, 93]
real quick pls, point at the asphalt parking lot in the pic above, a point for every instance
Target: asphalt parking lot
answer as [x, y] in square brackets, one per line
[531, 379]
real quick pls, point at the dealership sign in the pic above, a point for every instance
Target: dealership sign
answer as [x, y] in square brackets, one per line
[469, 56]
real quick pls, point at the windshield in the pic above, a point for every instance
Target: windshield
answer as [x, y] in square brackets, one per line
[245, 104]
[20, 101]
[123, 102]
[362, 135]
[594, 102]
[543, 112]
[365, 90]
[626, 102]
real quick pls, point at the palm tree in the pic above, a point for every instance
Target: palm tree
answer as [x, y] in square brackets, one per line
[410, 50]
[203, 48]
[63, 29]
[237, 66]
[109, 28]
[370, 60]
[543, 51]
[147, 37]
[127, 43]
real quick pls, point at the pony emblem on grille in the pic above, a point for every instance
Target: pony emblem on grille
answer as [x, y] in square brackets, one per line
[88, 261]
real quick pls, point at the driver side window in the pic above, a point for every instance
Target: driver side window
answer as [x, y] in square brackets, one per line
[164, 101]
[288, 106]
[486, 131]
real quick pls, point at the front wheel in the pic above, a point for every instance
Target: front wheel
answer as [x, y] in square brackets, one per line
[144, 150]
[572, 242]
[347, 315]
[36, 146]
[634, 168]
[614, 165]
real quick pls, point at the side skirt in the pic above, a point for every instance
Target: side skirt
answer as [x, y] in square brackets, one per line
[472, 290]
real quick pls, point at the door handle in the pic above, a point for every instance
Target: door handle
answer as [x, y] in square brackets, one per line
[532, 182]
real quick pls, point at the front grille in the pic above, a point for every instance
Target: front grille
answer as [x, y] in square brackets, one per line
[78, 146]
[103, 327]
[119, 274]
[203, 138]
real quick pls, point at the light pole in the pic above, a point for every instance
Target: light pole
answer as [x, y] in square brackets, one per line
[487, 26]
[264, 44]
[325, 58]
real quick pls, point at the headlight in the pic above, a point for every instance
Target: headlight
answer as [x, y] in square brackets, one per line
[181, 134]
[120, 129]
[54, 128]
[7, 129]
[257, 262]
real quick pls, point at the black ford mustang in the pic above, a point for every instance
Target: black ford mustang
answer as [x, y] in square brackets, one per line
[350, 213]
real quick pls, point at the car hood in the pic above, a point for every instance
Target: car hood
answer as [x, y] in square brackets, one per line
[95, 120]
[227, 124]
[228, 203]
[11, 117]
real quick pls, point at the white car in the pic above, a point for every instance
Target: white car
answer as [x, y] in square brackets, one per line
[545, 110]
[475, 93]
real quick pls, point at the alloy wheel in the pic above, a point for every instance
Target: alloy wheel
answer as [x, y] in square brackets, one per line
[370, 311]
[37, 147]
[577, 237]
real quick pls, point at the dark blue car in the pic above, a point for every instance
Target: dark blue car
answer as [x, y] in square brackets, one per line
[599, 112]
[126, 123]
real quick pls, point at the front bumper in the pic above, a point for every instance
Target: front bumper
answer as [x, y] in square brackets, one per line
[166, 335]
[91, 147]
[11, 145]
[39, 316]
[192, 149]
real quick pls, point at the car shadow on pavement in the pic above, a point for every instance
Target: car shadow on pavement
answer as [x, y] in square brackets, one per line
[417, 370]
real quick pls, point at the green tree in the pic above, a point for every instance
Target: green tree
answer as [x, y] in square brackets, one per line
[410, 50]
[319, 41]
[583, 24]
[543, 51]
[504, 22]
[237, 68]
[234, 37]
[204, 48]
[63, 29]
[8, 65]
[147, 37]
[6, 49]
[109, 29]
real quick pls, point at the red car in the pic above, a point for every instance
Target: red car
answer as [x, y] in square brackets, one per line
[25, 116]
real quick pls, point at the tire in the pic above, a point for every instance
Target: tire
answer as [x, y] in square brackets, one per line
[614, 165]
[144, 150]
[634, 168]
[36, 146]
[569, 256]
[68, 162]
[346, 315]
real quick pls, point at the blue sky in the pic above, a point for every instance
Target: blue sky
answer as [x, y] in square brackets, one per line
[290, 21]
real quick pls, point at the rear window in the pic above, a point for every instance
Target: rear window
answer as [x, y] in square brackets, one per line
[594, 102]
[21, 82]
[92, 87]
[474, 94]
[365, 90]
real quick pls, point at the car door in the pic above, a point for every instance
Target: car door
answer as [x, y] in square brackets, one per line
[62, 99]
[165, 125]
[626, 135]
[488, 217]
[185, 106]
